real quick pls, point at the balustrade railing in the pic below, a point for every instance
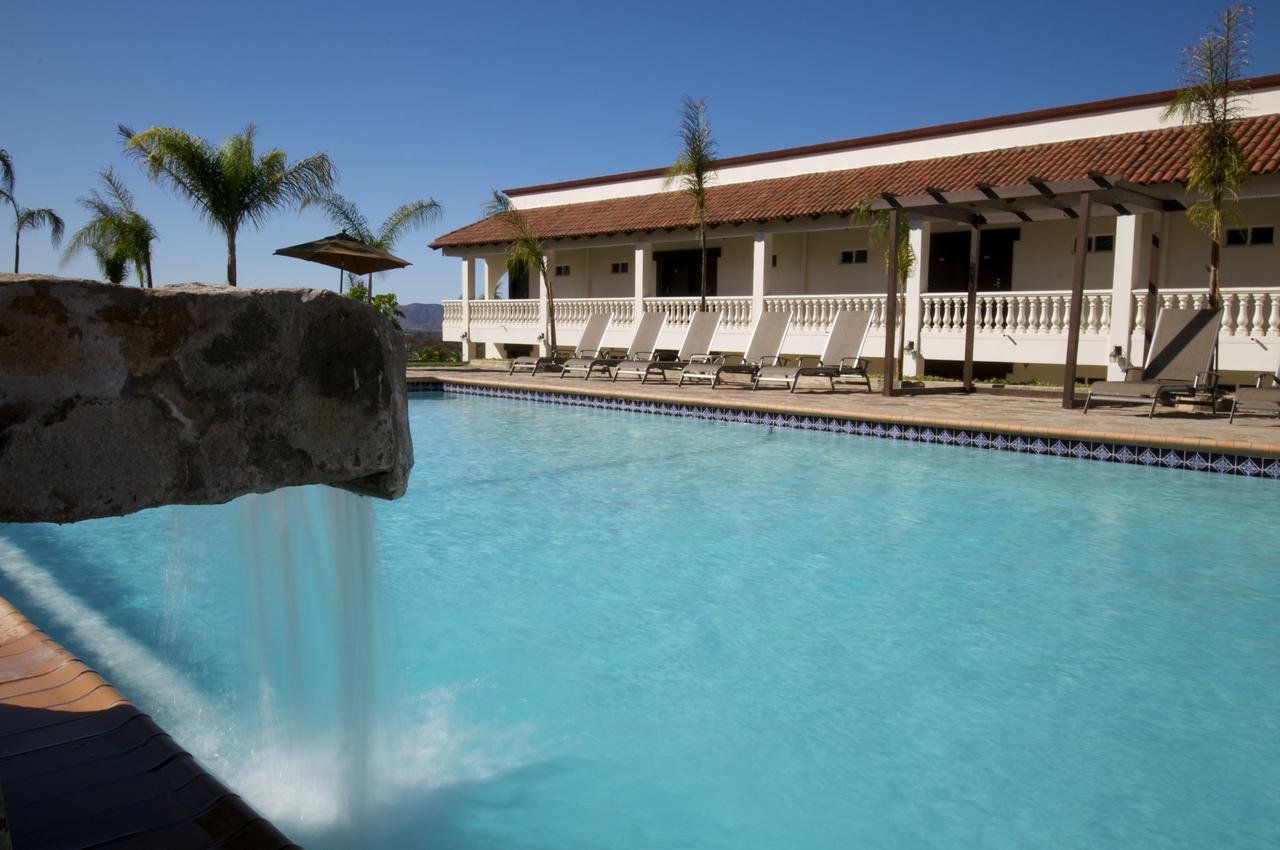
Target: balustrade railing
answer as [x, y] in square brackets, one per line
[517, 311]
[452, 312]
[1014, 312]
[575, 311]
[1252, 312]
[817, 312]
[735, 311]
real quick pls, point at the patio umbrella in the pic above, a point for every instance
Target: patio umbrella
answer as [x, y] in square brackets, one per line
[347, 254]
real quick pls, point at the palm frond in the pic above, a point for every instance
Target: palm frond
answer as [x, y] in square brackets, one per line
[342, 213]
[498, 203]
[694, 167]
[29, 219]
[407, 217]
[6, 174]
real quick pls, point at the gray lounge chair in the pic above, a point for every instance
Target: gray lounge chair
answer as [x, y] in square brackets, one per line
[763, 350]
[1181, 351]
[841, 359]
[696, 348]
[1257, 397]
[588, 346]
[642, 348]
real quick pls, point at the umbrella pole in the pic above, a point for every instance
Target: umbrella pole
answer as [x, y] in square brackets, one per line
[370, 287]
[340, 274]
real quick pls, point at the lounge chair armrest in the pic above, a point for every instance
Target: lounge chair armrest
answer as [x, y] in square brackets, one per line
[857, 363]
[645, 356]
[1208, 378]
[772, 360]
[1262, 376]
[707, 358]
[588, 352]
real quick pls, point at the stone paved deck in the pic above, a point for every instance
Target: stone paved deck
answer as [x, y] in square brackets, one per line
[1038, 416]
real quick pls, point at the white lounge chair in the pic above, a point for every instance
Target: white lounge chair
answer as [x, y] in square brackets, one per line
[1181, 350]
[1257, 397]
[696, 348]
[763, 350]
[642, 349]
[588, 346]
[841, 358]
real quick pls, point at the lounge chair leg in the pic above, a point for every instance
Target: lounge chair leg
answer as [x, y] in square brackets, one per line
[1088, 398]
[1152, 413]
[1232, 417]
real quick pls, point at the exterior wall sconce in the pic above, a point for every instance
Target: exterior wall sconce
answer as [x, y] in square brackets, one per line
[465, 335]
[911, 345]
[1117, 357]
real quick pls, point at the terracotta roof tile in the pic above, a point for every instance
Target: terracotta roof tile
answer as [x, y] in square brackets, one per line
[1148, 157]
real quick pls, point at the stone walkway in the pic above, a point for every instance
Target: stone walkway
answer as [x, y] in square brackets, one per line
[1040, 415]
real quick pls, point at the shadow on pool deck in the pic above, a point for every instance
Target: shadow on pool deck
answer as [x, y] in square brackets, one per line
[81, 766]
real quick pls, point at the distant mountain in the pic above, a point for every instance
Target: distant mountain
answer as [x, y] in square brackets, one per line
[423, 317]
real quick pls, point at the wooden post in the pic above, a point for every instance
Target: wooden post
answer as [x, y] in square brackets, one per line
[971, 306]
[891, 306]
[1077, 299]
[1153, 283]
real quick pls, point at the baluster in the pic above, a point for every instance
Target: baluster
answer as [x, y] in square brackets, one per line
[1106, 314]
[1273, 305]
[1242, 314]
[1020, 315]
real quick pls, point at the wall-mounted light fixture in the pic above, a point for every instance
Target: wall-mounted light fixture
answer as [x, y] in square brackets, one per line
[911, 345]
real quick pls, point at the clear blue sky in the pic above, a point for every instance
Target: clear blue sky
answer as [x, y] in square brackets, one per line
[451, 100]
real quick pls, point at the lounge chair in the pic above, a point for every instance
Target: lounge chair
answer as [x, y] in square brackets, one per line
[841, 359]
[1257, 397]
[643, 345]
[763, 350]
[1178, 364]
[588, 346]
[696, 348]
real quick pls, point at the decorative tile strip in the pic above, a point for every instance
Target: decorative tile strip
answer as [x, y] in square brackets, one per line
[1137, 454]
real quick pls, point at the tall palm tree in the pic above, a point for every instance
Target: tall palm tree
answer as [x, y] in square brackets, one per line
[345, 214]
[229, 185]
[877, 224]
[1211, 101]
[525, 252]
[115, 230]
[114, 267]
[693, 170]
[25, 218]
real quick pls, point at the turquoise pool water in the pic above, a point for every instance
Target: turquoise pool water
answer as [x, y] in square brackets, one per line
[616, 630]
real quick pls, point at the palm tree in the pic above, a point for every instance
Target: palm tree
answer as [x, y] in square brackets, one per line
[115, 230]
[114, 267]
[229, 185]
[693, 169]
[525, 252]
[1211, 101]
[345, 214]
[877, 224]
[25, 218]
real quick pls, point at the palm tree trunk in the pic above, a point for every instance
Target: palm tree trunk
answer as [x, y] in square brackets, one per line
[702, 246]
[551, 312]
[902, 332]
[231, 258]
[1215, 259]
[151, 283]
[17, 240]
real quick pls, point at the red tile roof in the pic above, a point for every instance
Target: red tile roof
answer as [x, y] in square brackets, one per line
[1147, 157]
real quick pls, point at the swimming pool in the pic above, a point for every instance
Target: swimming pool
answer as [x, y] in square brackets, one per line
[613, 630]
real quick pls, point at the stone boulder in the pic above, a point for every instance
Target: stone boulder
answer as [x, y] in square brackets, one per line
[114, 398]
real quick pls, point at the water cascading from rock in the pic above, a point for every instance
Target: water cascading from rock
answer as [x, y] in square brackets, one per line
[309, 564]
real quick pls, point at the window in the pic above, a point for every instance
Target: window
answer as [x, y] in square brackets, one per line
[562, 271]
[774, 261]
[1102, 244]
[1251, 236]
[620, 268]
[848, 257]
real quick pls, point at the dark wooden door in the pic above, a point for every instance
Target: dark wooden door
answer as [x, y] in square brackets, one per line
[679, 273]
[949, 261]
[518, 283]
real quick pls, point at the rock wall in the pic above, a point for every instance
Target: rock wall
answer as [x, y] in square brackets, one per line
[114, 399]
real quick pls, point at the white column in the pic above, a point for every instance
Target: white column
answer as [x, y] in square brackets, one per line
[1131, 259]
[494, 268]
[642, 272]
[761, 256]
[468, 292]
[917, 282]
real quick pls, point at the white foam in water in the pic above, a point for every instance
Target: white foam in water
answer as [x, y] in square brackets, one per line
[312, 733]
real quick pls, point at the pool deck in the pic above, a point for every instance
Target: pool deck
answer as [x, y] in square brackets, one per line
[81, 766]
[1026, 413]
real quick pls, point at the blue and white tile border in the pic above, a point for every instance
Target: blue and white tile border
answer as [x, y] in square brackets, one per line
[1190, 459]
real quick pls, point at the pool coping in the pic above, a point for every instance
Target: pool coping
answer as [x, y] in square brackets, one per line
[1171, 452]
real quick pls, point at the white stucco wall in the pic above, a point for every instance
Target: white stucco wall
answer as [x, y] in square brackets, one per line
[1242, 265]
